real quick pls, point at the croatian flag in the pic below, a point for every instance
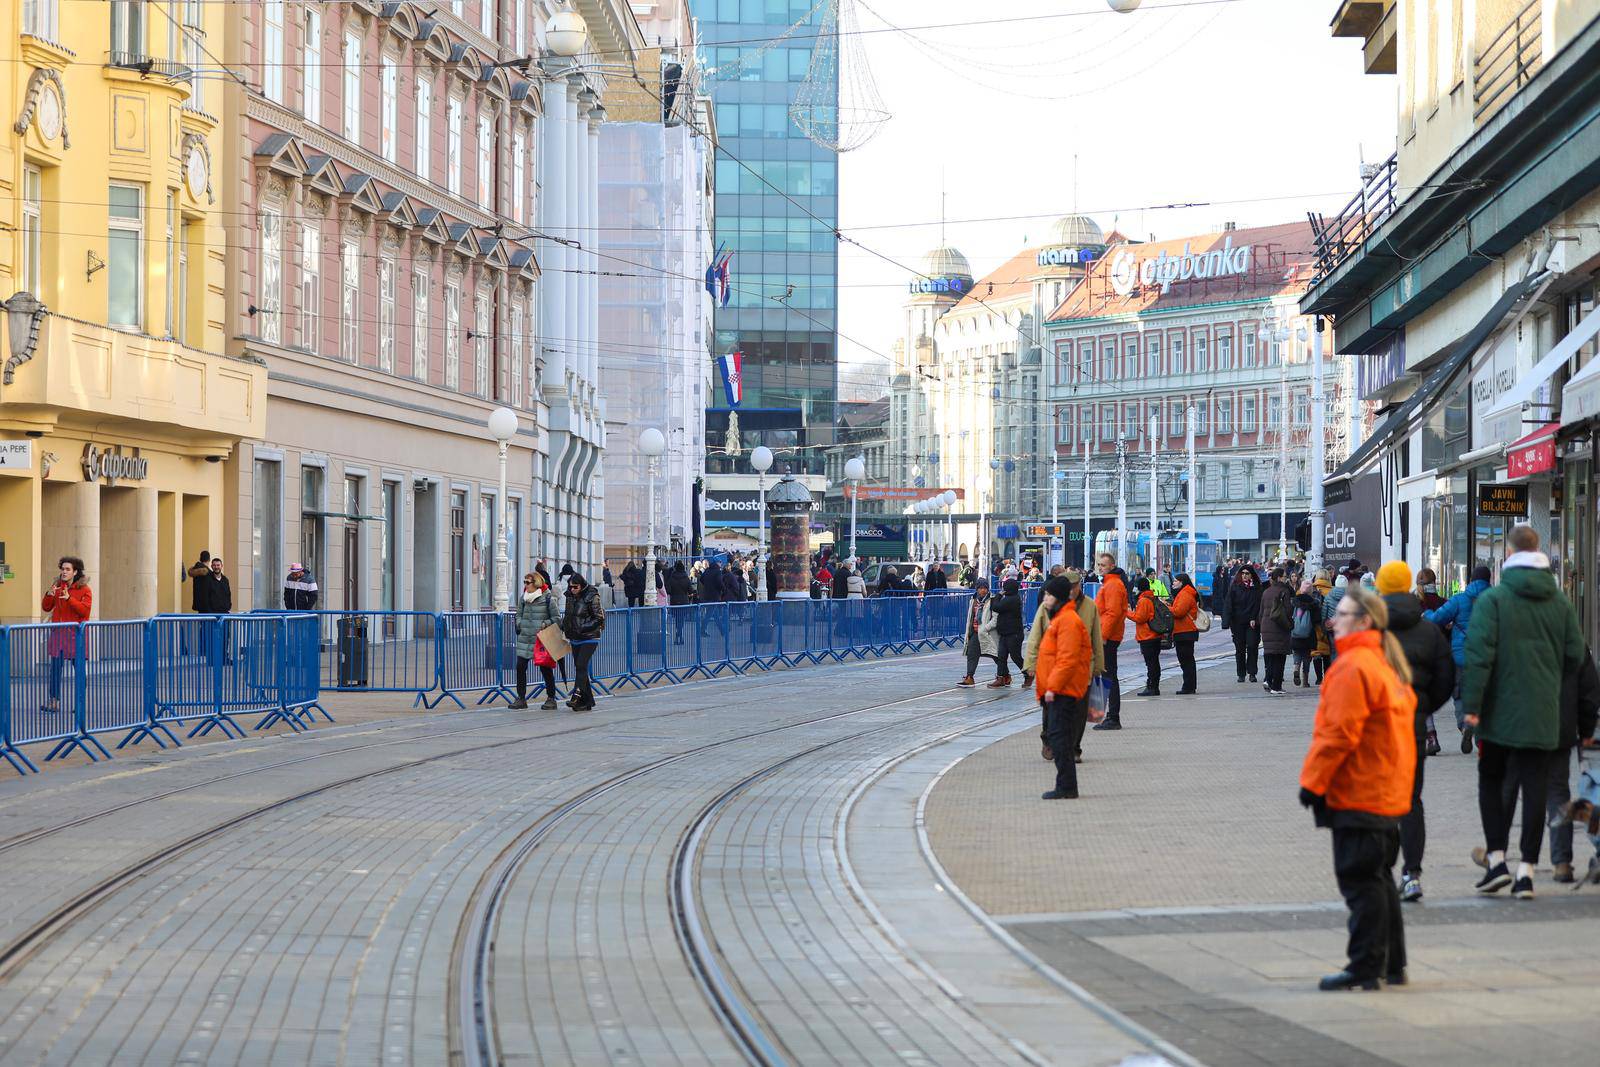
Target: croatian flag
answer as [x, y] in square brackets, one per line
[732, 367]
[719, 279]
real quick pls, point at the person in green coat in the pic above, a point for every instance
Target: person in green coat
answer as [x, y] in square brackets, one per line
[1524, 639]
[535, 611]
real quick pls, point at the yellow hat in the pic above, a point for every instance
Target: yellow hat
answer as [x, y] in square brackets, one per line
[1394, 577]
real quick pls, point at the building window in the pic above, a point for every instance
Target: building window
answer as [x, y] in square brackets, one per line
[480, 345]
[486, 17]
[517, 396]
[32, 229]
[389, 131]
[271, 310]
[389, 560]
[352, 89]
[1275, 353]
[419, 325]
[1108, 423]
[1085, 361]
[266, 535]
[1247, 352]
[1224, 351]
[272, 47]
[1130, 421]
[1202, 420]
[1200, 353]
[519, 174]
[1175, 413]
[1302, 410]
[174, 245]
[1275, 413]
[350, 302]
[1152, 357]
[1178, 366]
[1130, 359]
[311, 64]
[1108, 361]
[452, 174]
[1225, 414]
[452, 336]
[41, 18]
[485, 172]
[127, 31]
[386, 314]
[313, 523]
[422, 152]
[310, 286]
[1247, 414]
[125, 256]
[522, 26]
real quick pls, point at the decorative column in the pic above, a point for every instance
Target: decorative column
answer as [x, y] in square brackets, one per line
[789, 505]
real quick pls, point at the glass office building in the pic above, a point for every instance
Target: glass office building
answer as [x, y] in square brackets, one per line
[787, 335]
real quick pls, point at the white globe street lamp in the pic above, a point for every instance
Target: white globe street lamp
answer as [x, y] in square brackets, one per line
[761, 462]
[652, 443]
[1123, 7]
[855, 469]
[502, 424]
[565, 33]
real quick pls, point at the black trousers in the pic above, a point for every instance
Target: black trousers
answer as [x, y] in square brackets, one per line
[549, 674]
[1183, 645]
[1151, 651]
[1503, 773]
[1275, 662]
[1413, 829]
[636, 601]
[974, 655]
[1246, 647]
[1113, 685]
[583, 695]
[1010, 648]
[1363, 862]
[1065, 718]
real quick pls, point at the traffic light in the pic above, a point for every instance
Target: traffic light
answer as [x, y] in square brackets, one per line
[1302, 535]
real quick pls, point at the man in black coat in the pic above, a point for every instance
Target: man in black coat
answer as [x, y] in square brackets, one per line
[1244, 607]
[633, 584]
[1219, 591]
[936, 579]
[213, 595]
[1009, 629]
[680, 594]
[1433, 679]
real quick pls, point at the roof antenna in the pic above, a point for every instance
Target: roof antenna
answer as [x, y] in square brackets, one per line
[942, 195]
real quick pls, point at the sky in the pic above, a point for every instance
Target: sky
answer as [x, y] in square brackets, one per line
[1247, 107]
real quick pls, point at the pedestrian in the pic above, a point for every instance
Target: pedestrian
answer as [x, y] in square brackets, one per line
[1455, 617]
[1007, 608]
[1433, 679]
[1275, 622]
[1428, 590]
[1307, 607]
[855, 587]
[1356, 778]
[1062, 686]
[1143, 614]
[1322, 653]
[199, 569]
[1244, 613]
[68, 601]
[981, 639]
[888, 582]
[1219, 591]
[1185, 608]
[633, 584]
[1090, 615]
[680, 597]
[535, 611]
[1525, 639]
[300, 589]
[1157, 586]
[841, 580]
[937, 580]
[583, 621]
[1111, 601]
[1580, 709]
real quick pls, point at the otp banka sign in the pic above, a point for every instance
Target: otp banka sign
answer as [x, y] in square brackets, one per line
[1129, 270]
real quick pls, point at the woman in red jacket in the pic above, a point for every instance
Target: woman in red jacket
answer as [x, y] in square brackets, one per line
[1144, 610]
[1357, 779]
[1185, 607]
[68, 601]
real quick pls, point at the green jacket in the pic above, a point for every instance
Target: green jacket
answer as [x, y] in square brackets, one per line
[1523, 640]
[533, 616]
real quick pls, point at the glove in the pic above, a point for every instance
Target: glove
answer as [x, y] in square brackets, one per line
[1308, 799]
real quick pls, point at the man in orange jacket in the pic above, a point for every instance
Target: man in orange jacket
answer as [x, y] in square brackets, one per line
[1061, 681]
[1112, 602]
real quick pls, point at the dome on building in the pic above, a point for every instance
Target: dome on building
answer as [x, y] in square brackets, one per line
[946, 262]
[1075, 230]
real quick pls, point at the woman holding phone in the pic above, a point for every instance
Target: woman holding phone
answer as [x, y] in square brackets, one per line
[68, 601]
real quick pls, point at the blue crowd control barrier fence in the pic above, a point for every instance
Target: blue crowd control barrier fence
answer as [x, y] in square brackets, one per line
[69, 682]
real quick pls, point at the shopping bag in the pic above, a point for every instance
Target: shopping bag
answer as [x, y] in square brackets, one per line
[1099, 695]
[1202, 620]
[554, 642]
[542, 658]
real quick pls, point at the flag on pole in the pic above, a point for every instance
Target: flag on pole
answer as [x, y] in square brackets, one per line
[719, 278]
[732, 367]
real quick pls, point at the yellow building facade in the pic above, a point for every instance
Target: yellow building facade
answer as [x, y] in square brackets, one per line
[117, 406]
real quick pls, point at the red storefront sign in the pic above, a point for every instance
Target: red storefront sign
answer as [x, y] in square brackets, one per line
[1533, 454]
[895, 492]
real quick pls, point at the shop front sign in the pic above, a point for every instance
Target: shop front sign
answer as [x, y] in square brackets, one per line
[1069, 256]
[941, 285]
[113, 465]
[1129, 270]
[1534, 454]
[16, 455]
[1503, 500]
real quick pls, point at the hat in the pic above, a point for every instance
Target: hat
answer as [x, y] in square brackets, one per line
[981, 581]
[1073, 575]
[1058, 587]
[1010, 585]
[1394, 577]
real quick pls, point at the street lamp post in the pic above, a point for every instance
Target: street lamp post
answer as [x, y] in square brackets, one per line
[761, 461]
[1122, 502]
[1319, 460]
[855, 469]
[1154, 562]
[502, 425]
[950, 515]
[1227, 533]
[1188, 420]
[652, 443]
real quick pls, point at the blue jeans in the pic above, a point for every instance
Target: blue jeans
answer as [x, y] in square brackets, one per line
[1461, 712]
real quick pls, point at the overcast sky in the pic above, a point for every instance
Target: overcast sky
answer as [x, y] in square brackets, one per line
[1246, 106]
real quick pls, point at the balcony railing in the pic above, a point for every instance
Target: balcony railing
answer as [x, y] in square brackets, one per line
[1508, 61]
[1339, 238]
[151, 66]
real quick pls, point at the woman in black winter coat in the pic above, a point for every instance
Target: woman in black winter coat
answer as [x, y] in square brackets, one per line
[1244, 608]
[1008, 628]
[1433, 679]
[1276, 622]
[1306, 611]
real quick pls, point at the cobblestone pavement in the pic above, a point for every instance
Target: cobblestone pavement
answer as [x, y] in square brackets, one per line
[307, 900]
[1188, 889]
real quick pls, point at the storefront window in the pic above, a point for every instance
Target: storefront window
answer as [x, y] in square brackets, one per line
[389, 595]
[485, 541]
[125, 271]
[1444, 434]
[313, 525]
[266, 528]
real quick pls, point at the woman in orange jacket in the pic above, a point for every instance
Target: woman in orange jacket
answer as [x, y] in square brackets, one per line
[1357, 778]
[1185, 607]
[1061, 681]
[1144, 610]
[69, 601]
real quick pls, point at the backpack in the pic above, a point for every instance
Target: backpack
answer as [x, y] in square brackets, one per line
[1302, 623]
[1280, 611]
[1161, 621]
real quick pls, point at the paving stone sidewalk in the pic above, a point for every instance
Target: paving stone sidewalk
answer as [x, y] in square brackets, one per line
[1188, 889]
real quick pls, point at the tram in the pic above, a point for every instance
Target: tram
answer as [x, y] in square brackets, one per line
[1171, 554]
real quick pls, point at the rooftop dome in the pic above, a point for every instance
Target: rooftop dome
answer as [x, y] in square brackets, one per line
[1075, 230]
[946, 262]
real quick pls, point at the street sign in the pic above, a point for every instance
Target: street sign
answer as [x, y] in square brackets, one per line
[1505, 500]
[16, 455]
[1042, 529]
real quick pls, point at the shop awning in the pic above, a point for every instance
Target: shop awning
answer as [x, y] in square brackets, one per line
[1437, 382]
[1505, 419]
[1580, 400]
[1532, 454]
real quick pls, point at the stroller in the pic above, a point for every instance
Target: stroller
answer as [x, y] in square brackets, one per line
[1585, 809]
